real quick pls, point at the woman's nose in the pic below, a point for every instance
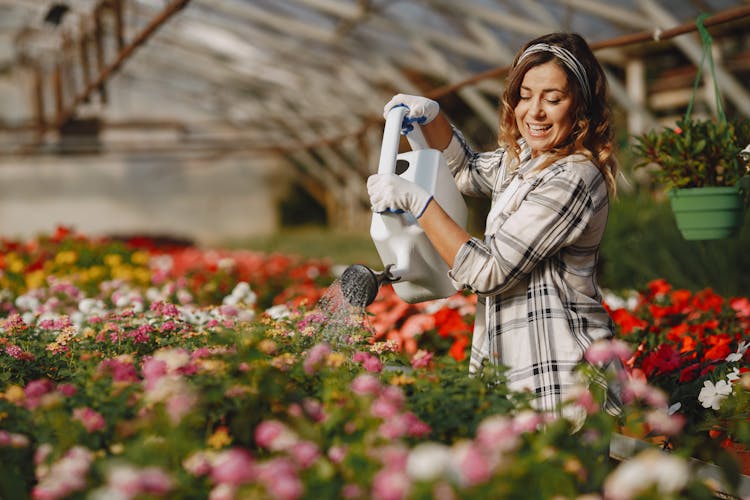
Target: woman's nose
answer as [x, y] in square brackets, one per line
[536, 107]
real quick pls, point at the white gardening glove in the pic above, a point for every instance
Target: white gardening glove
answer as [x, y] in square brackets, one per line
[421, 110]
[391, 193]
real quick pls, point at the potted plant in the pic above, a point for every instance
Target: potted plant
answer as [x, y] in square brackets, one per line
[704, 166]
[701, 163]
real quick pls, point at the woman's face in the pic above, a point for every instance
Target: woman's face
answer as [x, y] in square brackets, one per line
[543, 113]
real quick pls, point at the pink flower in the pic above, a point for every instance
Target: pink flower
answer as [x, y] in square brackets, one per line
[365, 384]
[279, 476]
[314, 409]
[604, 351]
[38, 388]
[120, 370]
[497, 433]
[384, 408]
[663, 423]
[337, 453]
[66, 389]
[13, 440]
[65, 476]
[35, 391]
[14, 351]
[274, 435]
[390, 484]
[373, 364]
[316, 357]
[223, 491]
[421, 359]
[91, 419]
[305, 453]
[351, 491]
[234, 466]
[198, 463]
[526, 421]
[416, 427]
[370, 362]
[473, 467]
[179, 404]
[153, 369]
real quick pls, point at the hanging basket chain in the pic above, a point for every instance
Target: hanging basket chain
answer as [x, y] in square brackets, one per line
[707, 45]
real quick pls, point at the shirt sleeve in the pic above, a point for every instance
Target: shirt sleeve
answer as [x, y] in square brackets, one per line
[553, 215]
[475, 173]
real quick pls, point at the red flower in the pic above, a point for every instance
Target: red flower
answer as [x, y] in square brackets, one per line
[690, 372]
[458, 349]
[707, 300]
[627, 321]
[719, 347]
[663, 360]
[449, 322]
[658, 288]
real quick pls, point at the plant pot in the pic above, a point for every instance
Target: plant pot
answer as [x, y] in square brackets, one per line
[708, 213]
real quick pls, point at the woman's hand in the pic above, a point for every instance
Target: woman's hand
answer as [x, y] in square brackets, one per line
[421, 110]
[391, 193]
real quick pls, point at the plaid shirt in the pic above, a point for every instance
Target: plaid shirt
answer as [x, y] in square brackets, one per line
[539, 305]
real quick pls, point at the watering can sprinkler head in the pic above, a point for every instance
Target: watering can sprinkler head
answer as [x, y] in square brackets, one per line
[360, 284]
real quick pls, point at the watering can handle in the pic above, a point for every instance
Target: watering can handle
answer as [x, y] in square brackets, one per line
[392, 138]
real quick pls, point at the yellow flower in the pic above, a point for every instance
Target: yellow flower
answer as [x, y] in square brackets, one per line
[112, 259]
[140, 257]
[402, 380]
[267, 346]
[66, 257]
[219, 439]
[283, 361]
[97, 273]
[14, 263]
[335, 360]
[35, 279]
[142, 275]
[213, 366]
[14, 394]
[123, 272]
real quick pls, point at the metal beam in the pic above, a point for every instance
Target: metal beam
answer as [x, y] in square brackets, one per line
[729, 85]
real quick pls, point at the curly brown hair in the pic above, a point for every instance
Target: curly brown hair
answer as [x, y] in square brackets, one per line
[592, 132]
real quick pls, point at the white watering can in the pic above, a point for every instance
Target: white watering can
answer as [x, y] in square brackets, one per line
[411, 263]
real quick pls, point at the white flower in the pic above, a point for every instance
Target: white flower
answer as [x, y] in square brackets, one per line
[733, 375]
[278, 312]
[428, 461]
[736, 356]
[649, 468]
[91, 307]
[27, 303]
[712, 395]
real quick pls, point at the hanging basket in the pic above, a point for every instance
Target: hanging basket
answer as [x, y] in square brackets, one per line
[708, 213]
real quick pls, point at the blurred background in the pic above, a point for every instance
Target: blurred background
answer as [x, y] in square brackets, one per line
[255, 124]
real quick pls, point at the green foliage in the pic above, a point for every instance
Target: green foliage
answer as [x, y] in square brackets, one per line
[642, 243]
[696, 153]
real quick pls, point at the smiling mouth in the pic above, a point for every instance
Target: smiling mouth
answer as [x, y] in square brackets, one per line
[538, 130]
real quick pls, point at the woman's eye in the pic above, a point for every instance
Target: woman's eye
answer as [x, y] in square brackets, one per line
[525, 97]
[553, 101]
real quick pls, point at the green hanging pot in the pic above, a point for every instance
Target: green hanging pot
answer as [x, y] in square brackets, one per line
[708, 213]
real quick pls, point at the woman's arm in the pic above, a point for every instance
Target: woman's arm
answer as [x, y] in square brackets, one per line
[438, 132]
[443, 232]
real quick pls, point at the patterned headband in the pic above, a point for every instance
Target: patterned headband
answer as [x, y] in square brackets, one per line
[568, 59]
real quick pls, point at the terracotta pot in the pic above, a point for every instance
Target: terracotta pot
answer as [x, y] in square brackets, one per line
[742, 454]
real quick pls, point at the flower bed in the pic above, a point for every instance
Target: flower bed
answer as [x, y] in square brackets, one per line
[183, 373]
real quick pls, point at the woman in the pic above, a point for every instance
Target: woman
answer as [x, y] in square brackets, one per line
[539, 305]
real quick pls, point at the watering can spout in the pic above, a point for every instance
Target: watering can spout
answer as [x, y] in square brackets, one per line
[360, 284]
